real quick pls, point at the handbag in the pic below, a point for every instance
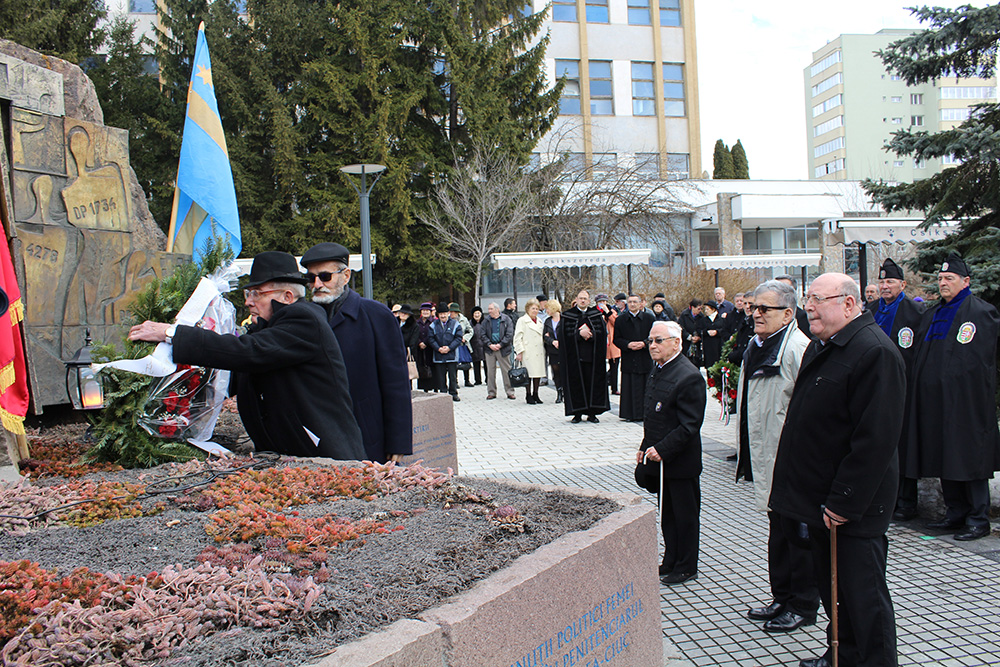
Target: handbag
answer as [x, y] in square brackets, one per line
[464, 357]
[411, 365]
[518, 375]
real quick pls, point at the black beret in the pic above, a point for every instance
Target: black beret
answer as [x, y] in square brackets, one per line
[326, 252]
[890, 270]
[621, 296]
[955, 264]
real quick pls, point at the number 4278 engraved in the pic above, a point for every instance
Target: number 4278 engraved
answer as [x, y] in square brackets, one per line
[42, 253]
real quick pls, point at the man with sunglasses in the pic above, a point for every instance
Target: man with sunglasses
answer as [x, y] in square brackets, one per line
[373, 350]
[674, 412]
[836, 465]
[287, 359]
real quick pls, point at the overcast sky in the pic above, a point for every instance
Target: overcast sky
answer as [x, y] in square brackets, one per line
[750, 59]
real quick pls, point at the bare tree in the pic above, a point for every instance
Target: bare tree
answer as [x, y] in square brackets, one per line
[481, 206]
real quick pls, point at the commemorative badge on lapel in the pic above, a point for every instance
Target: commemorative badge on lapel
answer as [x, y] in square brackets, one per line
[905, 337]
[659, 405]
[966, 333]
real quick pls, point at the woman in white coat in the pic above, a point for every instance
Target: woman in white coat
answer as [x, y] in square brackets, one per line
[530, 349]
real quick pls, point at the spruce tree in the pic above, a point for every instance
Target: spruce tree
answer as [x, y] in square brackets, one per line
[722, 162]
[959, 43]
[741, 168]
[67, 29]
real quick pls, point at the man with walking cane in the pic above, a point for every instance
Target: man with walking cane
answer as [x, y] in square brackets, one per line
[836, 469]
[669, 459]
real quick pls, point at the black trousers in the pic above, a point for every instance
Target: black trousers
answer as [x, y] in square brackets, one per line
[867, 623]
[681, 524]
[446, 376]
[478, 370]
[967, 502]
[790, 565]
[633, 394]
[906, 499]
[613, 373]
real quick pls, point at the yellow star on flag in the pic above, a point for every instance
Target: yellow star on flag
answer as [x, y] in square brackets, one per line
[205, 74]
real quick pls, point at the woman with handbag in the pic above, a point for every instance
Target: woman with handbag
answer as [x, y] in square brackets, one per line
[411, 338]
[529, 349]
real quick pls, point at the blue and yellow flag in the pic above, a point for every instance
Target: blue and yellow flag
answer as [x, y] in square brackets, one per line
[204, 198]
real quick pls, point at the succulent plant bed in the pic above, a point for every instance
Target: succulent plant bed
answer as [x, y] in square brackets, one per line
[246, 561]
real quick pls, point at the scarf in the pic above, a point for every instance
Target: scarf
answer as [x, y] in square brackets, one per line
[886, 313]
[945, 315]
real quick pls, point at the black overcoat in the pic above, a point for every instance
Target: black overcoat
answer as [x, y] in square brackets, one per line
[674, 412]
[952, 428]
[691, 325]
[576, 399]
[711, 346]
[903, 332]
[549, 337]
[838, 444]
[372, 346]
[289, 379]
[630, 329]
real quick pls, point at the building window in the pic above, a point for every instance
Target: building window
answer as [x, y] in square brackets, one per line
[897, 163]
[678, 166]
[916, 120]
[597, 11]
[574, 165]
[829, 61]
[647, 165]
[142, 6]
[670, 12]
[601, 90]
[673, 89]
[955, 114]
[833, 123]
[638, 12]
[569, 103]
[826, 105]
[828, 147]
[968, 93]
[896, 121]
[802, 238]
[896, 99]
[828, 83]
[564, 10]
[916, 98]
[919, 164]
[950, 159]
[643, 90]
[895, 77]
[708, 242]
[829, 168]
[604, 164]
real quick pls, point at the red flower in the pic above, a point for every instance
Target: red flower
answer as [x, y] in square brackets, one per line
[183, 406]
[170, 402]
[711, 382]
[169, 429]
[732, 394]
[194, 383]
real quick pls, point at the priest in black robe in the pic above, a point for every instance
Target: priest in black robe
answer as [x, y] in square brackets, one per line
[582, 354]
[631, 331]
[952, 426]
[899, 317]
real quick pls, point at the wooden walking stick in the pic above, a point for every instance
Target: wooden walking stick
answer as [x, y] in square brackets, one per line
[834, 636]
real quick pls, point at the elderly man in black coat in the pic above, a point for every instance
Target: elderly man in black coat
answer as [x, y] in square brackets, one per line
[675, 410]
[374, 354]
[836, 464]
[286, 362]
[631, 330]
[582, 355]
[952, 428]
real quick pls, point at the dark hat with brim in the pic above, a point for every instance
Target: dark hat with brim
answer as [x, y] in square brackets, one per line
[955, 264]
[427, 305]
[541, 297]
[274, 266]
[326, 252]
[454, 307]
[442, 307]
[890, 270]
[405, 308]
[601, 297]
[621, 296]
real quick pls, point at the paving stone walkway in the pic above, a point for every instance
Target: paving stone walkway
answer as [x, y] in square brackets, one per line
[946, 595]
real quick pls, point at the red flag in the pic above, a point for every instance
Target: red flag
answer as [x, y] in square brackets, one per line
[13, 373]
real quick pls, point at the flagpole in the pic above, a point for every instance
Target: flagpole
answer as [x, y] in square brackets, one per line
[173, 221]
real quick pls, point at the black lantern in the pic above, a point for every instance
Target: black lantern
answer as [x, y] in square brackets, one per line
[83, 385]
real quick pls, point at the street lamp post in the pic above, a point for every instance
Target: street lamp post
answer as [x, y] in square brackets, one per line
[366, 233]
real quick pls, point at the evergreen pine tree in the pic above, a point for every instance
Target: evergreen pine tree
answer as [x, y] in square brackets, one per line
[67, 29]
[722, 162]
[960, 43]
[741, 168]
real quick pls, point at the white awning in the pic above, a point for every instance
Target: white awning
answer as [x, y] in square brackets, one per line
[760, 261]
[354, 263]
[885, 230]
[560, 259]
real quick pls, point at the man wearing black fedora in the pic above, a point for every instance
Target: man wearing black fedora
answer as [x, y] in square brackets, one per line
[286, 361]
[374, 353]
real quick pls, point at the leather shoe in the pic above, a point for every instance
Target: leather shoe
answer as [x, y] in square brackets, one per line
[972, 533]
[787, 622]
[593, 419]
[816, 662]
[732, 457]
[945, 524]
[576, 419]
[678, 578]
[904, 515]
[772, 610]
[664, 570]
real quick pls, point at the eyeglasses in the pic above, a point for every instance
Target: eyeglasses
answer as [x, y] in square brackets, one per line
[763, 310]
[812, 298]
[324, 276]
[659, 340]
[254, 294]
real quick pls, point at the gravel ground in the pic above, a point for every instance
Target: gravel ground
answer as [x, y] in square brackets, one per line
[440, 552]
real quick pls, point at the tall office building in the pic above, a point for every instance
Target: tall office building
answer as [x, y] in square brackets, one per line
[853, 105]
[631, 95]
